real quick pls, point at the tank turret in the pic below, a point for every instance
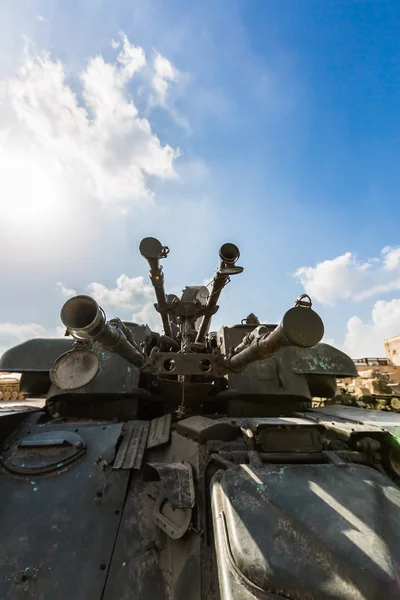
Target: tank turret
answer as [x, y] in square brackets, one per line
[190, 463]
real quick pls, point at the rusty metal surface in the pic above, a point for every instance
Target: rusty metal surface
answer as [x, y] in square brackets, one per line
[176, 480]
[131, 451]
[58, 532]
[74, 369]
[147, 564]
[135, 570]
[169, 363]
[202, 429]
[159, 432]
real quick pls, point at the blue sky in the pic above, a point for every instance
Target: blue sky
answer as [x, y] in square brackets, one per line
[286, 119]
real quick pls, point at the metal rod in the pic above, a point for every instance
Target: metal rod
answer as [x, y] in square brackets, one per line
[229, 254]
[169, 341]
[152, 250]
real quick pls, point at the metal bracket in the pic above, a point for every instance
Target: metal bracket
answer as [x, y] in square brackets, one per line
[176, 522]
[185, 363]
[303, 300]
[176, 479]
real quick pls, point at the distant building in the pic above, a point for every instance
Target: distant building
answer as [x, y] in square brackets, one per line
[392, 347]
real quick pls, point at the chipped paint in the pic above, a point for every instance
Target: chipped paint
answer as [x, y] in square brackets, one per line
[318, 363]
[323, 359]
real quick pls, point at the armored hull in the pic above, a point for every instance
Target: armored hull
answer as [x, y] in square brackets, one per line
[191, 465]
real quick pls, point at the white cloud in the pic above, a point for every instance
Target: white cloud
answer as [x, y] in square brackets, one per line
[345, 277]
[22, 331]
[164, 74]
[130, 293]
[64, 291]
[58, 149]
[75, 156]
[131, 57]
[148, 315]
[332, 279]
[391, 258]
[367, 339]
[12, 334]
[167, 82]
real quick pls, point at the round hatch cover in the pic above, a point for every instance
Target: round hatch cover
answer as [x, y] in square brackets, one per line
[75, 369]
[43, 452]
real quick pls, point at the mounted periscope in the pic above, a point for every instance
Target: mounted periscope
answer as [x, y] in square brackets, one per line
[152, 250]
[228, 254]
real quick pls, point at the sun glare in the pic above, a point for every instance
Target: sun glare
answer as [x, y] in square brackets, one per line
[31, 195]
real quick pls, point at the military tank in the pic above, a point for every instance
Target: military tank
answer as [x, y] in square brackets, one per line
[371, 389]
[190, 464]
[9, 388]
